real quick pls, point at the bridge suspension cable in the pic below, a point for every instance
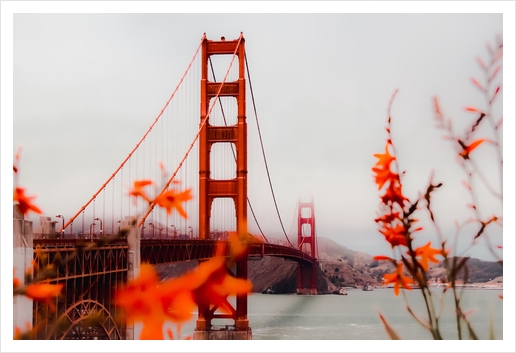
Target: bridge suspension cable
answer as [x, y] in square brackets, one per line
[263, 152]
[138, 144]
[294, 217]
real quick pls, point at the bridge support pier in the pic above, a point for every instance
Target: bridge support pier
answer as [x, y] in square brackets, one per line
[23, 254]
[133, 267]
[307, 279]
[239, 330]
[223, 333]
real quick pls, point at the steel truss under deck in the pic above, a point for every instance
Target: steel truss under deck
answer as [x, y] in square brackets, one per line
[85, 309]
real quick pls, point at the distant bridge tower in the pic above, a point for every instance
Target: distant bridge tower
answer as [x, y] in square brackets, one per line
[306, 240]
[236, 188]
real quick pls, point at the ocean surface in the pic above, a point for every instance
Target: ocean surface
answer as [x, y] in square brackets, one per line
[356, 316]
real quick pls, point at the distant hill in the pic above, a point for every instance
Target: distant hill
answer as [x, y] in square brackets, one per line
[479, 271]
[279, 276]
[339, 267]
[344, 267]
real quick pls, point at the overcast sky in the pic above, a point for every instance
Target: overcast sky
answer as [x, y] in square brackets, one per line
[87, 86]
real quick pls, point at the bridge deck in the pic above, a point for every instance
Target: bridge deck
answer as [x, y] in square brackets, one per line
[157, 251]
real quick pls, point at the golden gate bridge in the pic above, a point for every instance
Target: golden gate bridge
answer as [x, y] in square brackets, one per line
[203, 132]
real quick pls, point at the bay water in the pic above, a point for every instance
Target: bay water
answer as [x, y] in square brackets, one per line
[356, 316]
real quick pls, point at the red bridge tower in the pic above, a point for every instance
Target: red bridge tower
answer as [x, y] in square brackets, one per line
[306, 241]
[236, 188]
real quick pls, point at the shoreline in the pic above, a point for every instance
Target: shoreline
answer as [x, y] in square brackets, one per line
[474, 286]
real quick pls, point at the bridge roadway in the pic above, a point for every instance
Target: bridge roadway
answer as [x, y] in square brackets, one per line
[159, 251]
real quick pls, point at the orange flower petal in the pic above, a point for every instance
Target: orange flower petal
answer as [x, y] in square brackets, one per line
[468, 149]
[137, 190]
[385, 159]
[399, 280]
[383, 176]
[235, 244]
[382, 257]
[43, 292]
[395, 236]
[170, 334]
[425, 254]
[171, 200]
[393, 194]
[475, 144]
[388, 218]
[152, 329]
[25, 203]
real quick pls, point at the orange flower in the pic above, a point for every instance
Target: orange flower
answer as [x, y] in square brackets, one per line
[137, 189]
[141, 301]
[28, 334]
[383, 176]
[382, 257]
[179, 303]
[172, 200]
[208, 285]
[218, 285]
[394, 194]
[388, 217]
[44, 292]
[426, 253]
[398, 279]
[153, 303]
[384, 160]
[212, 283]
[467, 149]
[25, 204]
[382, 168]
[395, 236]
[238, 243]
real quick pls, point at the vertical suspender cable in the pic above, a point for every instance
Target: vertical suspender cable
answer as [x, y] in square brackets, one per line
[143, 138]
[121, 193]
[151, 206]
[263, 151]
[234, 156]
[113, 209]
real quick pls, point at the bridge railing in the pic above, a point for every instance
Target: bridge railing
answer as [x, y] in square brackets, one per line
[70, 261]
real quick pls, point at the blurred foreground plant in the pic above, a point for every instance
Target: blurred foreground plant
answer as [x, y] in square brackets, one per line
[36, 284]
[145, 299]
[397, 220]
[155, 303]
